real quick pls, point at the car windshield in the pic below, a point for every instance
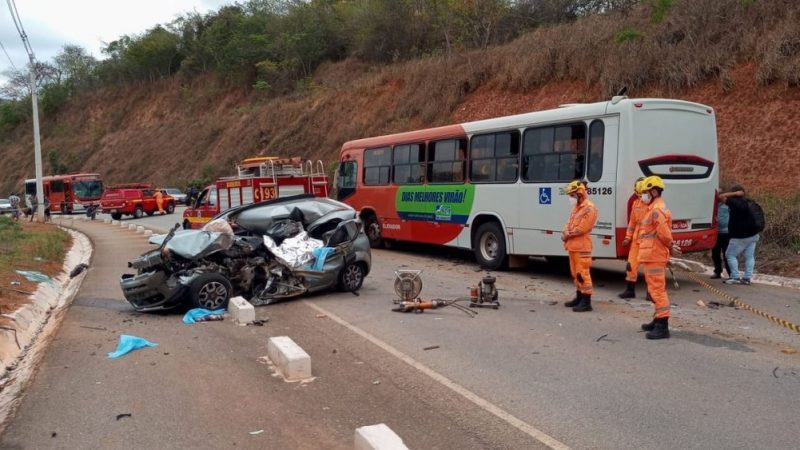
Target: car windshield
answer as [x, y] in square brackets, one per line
[173, 191]
[88, 189]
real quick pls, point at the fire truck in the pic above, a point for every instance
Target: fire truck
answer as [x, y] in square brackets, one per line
[257, 179]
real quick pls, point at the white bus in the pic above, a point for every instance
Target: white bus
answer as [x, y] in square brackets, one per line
[496, 186]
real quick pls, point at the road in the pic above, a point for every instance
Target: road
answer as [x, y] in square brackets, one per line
[585, 380]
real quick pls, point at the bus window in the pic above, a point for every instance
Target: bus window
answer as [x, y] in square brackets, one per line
[30, 187]
[346, 179]
[494, 158]
[57, 186]
[409, 163]
[446, 161]
[596, 138]
[377, 166]
[87, 188]
[554, 153]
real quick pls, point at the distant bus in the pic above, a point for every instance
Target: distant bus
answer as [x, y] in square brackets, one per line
[496, 186]
[69, 193]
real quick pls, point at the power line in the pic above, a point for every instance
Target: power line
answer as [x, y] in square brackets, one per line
[7, 56]
[12, 6]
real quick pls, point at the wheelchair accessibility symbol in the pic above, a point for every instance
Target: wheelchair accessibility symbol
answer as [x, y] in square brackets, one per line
[545, 196]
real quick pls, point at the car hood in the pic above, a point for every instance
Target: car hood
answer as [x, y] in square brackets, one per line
[193, 244]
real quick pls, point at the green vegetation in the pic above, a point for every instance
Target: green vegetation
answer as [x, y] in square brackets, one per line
[627, 35]
[19, 247]
[660, 9]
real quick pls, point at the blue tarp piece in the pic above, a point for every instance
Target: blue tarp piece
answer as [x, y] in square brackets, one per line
[192, 315]
[128, 344]
[34, 276]
[321, 254]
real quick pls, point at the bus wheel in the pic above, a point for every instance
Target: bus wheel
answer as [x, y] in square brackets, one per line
[490, 246]
[373, 230]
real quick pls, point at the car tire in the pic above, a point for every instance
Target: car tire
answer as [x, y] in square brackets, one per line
[138, 212]
[187, 225]
[490, 247]
[116, 216]
[170, 208]
[373, 231]
[352, 277]
[210, 291]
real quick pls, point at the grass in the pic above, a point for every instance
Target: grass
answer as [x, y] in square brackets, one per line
[778, 251]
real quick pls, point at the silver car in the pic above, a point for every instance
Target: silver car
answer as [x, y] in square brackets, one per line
[264, 256]
[180, 197]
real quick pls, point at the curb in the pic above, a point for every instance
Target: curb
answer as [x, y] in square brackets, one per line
[772, 280]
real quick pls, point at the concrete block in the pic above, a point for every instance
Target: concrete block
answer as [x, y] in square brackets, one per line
[115, 223]
[241, 310]
[292, 362]
[132, 226]
[123, 224]
[106, 220]
[148, 232]
[378, 437]
[140, 229]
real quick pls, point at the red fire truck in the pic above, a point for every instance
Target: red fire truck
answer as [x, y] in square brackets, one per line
[69, 193]
[258, 179]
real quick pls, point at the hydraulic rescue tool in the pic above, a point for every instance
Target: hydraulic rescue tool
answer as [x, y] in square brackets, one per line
[408, 285]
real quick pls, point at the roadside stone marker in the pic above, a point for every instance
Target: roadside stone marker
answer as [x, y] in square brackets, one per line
[292, 362]
[123, 224]
[378, 437]
[140, 229]
[114, 223]
[241, 310]
[132, 226]
[106, 220]
[148, 232]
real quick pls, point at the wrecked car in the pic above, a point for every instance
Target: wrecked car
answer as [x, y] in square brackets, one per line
[265, 252]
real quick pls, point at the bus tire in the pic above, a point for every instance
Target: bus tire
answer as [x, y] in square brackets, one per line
[116, 216]
[490, 247]
[373, 231]
[138, 212]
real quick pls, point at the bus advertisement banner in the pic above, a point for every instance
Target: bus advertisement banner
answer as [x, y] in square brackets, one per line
[451, 204]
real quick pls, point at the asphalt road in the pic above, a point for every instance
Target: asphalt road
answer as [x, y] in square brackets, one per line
[587, 380]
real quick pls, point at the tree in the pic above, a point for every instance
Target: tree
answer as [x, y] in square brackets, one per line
[78, 68]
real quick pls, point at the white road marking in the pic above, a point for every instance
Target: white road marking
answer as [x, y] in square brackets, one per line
[455, 387]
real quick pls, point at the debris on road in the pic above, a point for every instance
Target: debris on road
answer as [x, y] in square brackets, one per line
[788, 351]
[601, 338]
[128, 343]
[701, 304]
[94, 328]
[432, 347]
[253, 433]
[201, 315]
[36, 277]
[258, 322]
[321, 316]
[78, 270]
[124, 415]
[773, 372]
[376, 382]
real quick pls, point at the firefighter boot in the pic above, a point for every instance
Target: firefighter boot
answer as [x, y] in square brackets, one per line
[585, 303]
[629, 292]
[660, 329]
[574, 301]
[649, 326]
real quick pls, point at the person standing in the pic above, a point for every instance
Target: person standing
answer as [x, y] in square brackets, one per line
[655, 247]
[718, 252]
[638, 209]
[14, 200]
[160, 201]
[31, 202]
[743, 230]
[578, 243]
[47, 209]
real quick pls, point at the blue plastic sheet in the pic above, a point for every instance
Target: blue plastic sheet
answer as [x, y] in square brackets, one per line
[34, 276]
[192, 315]
[321, 254]
[128, 344]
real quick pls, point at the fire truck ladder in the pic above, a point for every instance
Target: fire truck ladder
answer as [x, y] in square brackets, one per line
[317, 177]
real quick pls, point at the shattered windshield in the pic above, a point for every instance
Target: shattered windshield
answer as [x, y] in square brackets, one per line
[88, 189]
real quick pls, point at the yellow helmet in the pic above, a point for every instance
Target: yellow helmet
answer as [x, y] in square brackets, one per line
[575, 186]
[652, 182]
[637, 186]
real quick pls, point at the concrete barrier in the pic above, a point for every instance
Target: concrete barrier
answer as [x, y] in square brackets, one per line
[132, 226]
[378, 437]
[106, 220]
[115, 223]
[292, 362]
[240, 310]
[148, 232]
[123, 224]
[140, 229]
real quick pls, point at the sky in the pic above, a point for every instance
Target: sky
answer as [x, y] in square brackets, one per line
[50, 24]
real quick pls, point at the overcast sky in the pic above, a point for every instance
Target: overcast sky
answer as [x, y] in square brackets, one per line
[50, 24]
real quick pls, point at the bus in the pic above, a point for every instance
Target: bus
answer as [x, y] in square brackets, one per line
[496, 186]
[69, 193]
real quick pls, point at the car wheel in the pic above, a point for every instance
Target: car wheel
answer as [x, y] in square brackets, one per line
[138, 212]
[210, 291]
[373, 231]
[352, 277]
[170, 208]
[116, 216]
[187, 225]
[490, 246]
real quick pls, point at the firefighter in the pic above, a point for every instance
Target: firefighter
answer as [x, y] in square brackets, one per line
[160, 201]
[655, 247]
[632, 239]
[578, 243]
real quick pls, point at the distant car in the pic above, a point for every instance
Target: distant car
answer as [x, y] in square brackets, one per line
[5, 206]
[205, 268]
[134, 200]
[180, 197]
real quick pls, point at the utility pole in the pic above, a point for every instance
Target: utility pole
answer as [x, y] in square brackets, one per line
[37, 145]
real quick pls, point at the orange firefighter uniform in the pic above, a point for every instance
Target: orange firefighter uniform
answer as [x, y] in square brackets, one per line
[160, 202]
[655, 243]
[638, 211]
[578, 242]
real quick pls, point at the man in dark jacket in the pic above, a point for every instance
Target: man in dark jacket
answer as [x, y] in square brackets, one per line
[743, 233]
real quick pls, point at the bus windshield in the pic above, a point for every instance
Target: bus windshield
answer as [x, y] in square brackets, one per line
[88, 189]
